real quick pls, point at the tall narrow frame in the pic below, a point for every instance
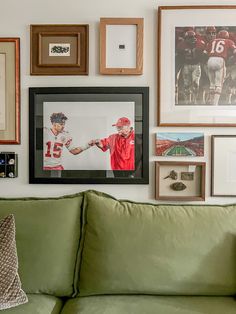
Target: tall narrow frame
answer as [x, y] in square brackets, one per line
[10, 130]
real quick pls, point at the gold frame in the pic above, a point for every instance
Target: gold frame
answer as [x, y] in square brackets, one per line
[11, 134]
[138, 70]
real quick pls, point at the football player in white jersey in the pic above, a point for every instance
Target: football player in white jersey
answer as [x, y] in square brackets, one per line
[55, 138]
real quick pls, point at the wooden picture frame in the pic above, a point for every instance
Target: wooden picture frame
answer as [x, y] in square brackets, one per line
[180, 181]
[223, 170]
[59, 49]
[9, 91]
[121, 46]
[94, 114]
[199, 101]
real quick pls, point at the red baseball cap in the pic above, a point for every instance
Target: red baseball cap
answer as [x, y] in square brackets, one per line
[122, 122]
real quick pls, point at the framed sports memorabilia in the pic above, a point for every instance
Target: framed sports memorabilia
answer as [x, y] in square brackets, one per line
[59, 49]
[180, 181]
[121, 46]
[196, 66]
[9, 91]
[88, 135]
[223, 169]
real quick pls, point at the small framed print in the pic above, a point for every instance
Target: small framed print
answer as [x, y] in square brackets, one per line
[196, 66]
[59, 49]
[89, 135]
[223, 166]
[9, 91]
[121, 46]
[180, 181]
[180, 144]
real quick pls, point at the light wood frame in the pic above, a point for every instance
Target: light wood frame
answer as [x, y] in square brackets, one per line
[138, 70]
[213, 138]
[11, 134]
[162, 36]
[79, 65]
[200, 197]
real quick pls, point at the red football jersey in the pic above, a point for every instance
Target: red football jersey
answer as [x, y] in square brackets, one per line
[220, 47]
[191, 54]
[122, 151]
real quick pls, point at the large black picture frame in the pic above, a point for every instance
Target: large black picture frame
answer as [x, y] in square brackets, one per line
[42, 98]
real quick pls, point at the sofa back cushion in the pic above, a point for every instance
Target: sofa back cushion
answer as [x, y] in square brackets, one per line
[47, 239]
[157, 249]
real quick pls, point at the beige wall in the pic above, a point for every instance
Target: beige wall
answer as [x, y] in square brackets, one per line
[15, 18]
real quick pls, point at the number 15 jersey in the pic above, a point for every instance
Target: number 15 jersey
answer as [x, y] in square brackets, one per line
[53, 147]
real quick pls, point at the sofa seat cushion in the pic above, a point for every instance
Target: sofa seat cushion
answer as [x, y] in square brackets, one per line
[47, 238]
[135, 248]
[140, 304]
[38, 304]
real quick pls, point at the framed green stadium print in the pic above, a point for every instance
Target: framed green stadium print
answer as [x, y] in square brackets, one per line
[196, 66]
[180, 144]
[88, 135]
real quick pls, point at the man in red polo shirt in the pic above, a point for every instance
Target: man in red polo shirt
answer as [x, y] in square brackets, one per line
[121, 145]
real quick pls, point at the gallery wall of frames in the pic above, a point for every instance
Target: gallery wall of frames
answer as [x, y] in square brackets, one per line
[140, 108]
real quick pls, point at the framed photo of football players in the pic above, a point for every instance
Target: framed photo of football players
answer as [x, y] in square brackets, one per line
[59, 49]
[180, 181]
[9, 91]
[121, 46]
[223, 167]
[196, 66]
[89, 135]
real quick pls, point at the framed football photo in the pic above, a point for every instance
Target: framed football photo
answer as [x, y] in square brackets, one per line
[89, 135]
[196, 66]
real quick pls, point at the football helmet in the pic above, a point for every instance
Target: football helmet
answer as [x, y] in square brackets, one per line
[223, 34]
[190, 36]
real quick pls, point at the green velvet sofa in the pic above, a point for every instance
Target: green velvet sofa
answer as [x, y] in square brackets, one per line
[92, 254]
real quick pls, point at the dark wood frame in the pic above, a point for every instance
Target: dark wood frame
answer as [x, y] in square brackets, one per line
[138, 70]
[61, 93]
[16, 84]
[159, 39]
[80, 31]
[158, 164]
[212, 163]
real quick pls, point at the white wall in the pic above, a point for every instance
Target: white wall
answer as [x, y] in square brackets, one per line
[15, 18]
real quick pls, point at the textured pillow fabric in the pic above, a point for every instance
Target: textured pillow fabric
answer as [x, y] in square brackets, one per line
[11, 293]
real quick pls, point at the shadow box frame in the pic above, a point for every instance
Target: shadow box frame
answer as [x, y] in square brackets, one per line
[41, 98]
[222, 157]
[75, 38]
[182, 165]
[104, 40]
[169, 112]
[10, 90]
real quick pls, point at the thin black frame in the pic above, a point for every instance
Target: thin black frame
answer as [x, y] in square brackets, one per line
[65, 92]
